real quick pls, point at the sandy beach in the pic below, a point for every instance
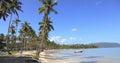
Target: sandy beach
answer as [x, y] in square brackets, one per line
[65, 56]
[26, 53]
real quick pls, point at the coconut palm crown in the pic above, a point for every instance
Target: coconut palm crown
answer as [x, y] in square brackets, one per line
[8, 7]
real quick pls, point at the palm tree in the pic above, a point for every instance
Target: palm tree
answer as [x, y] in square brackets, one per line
[13, 40]
[27, 33]
[7, 8]
[13, 6]
[45, 28]
[23, 33]
[30, 37]
[47, 6]
[16, 22]
[46, 25]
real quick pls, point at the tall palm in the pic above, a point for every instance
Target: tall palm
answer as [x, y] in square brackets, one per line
[47, 26]
[27, 32]
[23, 33]
[7, 8]
[12, 32]
[16, 22]
[32, 35]
[47, 6]
[13, 6]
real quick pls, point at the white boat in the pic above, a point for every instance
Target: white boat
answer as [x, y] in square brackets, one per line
[79, 51]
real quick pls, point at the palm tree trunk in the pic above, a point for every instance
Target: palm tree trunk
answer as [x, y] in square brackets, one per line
[7, 41]
[24, 46]
[12, 43]
[16, 38]
[40, 49]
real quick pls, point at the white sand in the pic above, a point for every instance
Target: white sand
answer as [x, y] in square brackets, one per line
[26, 53]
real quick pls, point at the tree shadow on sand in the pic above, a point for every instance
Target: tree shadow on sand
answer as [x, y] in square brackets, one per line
[88, 62]
[8, 59]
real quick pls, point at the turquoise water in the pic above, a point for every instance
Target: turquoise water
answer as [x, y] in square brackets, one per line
[98, 55]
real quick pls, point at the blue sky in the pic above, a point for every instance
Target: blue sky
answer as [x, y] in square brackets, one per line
[77, 21]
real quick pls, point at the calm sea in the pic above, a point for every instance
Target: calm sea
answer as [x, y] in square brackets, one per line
[98, 55]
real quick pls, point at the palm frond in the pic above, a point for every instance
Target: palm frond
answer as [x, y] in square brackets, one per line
[53, 10]
[40, 10]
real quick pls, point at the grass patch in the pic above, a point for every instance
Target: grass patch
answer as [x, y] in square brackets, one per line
[5, 55]
[36, 57]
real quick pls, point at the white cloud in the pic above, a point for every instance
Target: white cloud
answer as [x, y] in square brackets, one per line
[58, 39]
[74, 29]
[55, 38]
[72, 38]
[63, 40]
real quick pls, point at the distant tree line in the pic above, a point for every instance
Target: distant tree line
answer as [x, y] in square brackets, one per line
[30, 42]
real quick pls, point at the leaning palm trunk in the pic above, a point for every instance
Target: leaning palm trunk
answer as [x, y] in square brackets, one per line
[7, 41]
[40, 48]
[16, 31]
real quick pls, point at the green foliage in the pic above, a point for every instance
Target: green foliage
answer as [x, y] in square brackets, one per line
[8, 7]
[76, 46]
[1, 37]
[47, 6]
[12, 29]
[27, 30]
[2, 45]
[4, 55]
[53, 45]
[27, 35]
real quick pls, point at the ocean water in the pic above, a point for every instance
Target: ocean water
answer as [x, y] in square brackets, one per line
[97, 55]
